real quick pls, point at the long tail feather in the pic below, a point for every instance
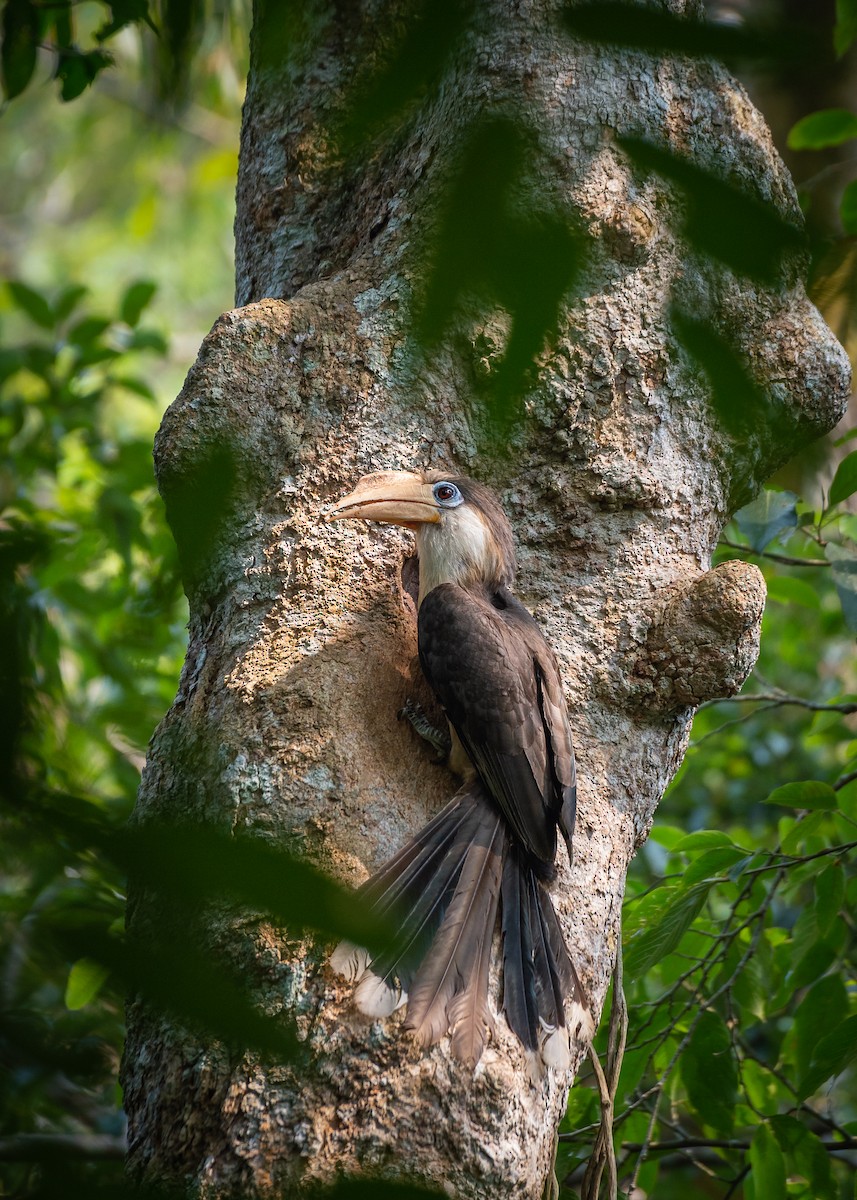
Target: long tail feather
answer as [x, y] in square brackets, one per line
[442, 892]
[519, 990]
[456, 951]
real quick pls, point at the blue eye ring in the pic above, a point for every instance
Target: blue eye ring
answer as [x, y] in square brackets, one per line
[447, 494]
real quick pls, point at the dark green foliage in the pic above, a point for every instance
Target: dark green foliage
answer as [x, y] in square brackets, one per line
[21, 29]
[741, 405]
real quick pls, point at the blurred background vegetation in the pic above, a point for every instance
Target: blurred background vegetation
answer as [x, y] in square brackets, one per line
[119, 153]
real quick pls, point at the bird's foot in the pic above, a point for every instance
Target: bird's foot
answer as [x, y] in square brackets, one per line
[438, 739]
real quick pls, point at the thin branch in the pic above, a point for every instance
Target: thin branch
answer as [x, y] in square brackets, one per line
[604, 1150]
[788, 559]
[677, 1145]
[791, 860]
[777, 699]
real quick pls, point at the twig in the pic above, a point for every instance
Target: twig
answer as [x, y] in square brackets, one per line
[777, 699]
[604, 1151]
[788, 559]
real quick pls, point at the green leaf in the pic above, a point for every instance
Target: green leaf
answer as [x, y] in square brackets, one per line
[797, 837]
[833, 1053]
[68, 301]
[767, 1165]
[829, 896]
[845, 480]
[88, 330]
[148, 339]
[711, 864]
[845, 30]
[805, 1156]
[769, 514]
[20, 43]
[85, 980]
[661, 937]
[709, 1073]
[136, 298]
[848, 217]
[843, 563]
[77, 69]
[32, 303]
[704, 839]
[751, 236]
[829, 127]
[824, 1006]
[125, 12]
[659, 32]
[809, 794]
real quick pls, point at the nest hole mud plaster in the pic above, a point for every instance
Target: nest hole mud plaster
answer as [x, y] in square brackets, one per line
[617, 481]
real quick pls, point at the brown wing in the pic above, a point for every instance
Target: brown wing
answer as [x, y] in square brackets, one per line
[494, 674]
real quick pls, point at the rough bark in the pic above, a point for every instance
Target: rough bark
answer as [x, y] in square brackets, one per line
[302, 636]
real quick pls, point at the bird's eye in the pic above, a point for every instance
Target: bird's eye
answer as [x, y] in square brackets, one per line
[447, 494]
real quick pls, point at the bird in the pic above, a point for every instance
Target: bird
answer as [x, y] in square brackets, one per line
[493, 847]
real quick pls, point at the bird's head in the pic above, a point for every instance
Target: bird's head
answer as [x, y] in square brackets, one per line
[462, 533]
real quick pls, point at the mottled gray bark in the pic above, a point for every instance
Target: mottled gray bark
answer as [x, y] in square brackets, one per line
[302, 636]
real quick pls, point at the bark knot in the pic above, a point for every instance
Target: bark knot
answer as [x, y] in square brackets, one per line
[706, 640]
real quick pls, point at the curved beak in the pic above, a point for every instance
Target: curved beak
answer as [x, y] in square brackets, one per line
[394, 497]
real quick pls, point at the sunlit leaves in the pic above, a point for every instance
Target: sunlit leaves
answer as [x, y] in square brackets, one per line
[85, 980]
[769, 515]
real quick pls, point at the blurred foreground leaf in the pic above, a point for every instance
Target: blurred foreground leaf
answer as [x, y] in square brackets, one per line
[641, 27]
[485, 248]
[750, 236]
[741, 404]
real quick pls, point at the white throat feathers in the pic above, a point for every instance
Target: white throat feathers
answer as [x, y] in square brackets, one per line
[460, 549]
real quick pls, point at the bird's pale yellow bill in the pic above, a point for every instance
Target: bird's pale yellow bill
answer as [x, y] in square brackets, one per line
[394, 497]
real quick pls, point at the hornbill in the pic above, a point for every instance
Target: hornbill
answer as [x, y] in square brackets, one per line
[494, 844]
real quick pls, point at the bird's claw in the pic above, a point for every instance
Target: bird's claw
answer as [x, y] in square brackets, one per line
[438, 739]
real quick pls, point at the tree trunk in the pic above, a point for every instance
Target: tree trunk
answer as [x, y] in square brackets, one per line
[617, 479]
